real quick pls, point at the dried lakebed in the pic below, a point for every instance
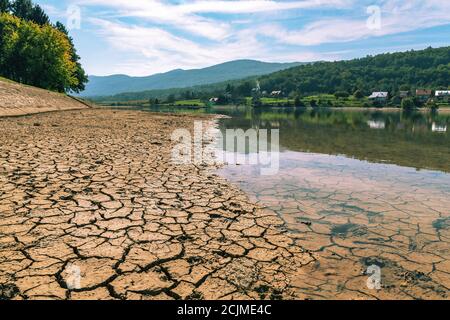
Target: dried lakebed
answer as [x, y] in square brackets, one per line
[91, 207]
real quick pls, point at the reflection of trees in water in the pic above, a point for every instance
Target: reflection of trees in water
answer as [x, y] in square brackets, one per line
[405, 139]
[392, 120]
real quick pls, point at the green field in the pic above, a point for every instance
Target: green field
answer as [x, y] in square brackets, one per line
[322, 101]
[189, 103]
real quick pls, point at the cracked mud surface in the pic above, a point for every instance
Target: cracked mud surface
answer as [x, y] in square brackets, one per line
[354, 215]
[94, 191]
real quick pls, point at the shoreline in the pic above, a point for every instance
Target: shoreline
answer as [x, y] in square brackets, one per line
[356, 109]
[94, 191]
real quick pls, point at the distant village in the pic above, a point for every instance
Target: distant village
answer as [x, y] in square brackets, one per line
[423, 95]
[405, 99]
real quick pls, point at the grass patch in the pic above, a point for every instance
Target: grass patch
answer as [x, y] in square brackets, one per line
[6, 80]
[187, 103]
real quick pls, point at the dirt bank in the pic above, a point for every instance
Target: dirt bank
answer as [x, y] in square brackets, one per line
[17, 99]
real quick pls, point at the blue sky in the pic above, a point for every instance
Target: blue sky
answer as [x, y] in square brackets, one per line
[143, 37]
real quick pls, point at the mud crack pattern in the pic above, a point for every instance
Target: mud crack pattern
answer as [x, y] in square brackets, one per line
[95, 190]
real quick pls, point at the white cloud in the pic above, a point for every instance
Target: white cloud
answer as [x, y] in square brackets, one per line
[157, 36]
[161, 51]
[187, 15]
[396, 17]
[255, 6]
[158, 12]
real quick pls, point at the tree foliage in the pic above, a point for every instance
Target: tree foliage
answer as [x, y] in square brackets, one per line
[22, 9]
[35, 55]
[39, 16]
[425, 69]
[358, 94]
[34, 52]
[4, 6]
[408, 104]
[428, 68]
[80, 74]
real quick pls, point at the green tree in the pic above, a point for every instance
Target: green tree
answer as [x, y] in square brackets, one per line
[341, 94]
[404, 87]
[79, 73]
[229, 89]
[9, 37]
[22, 9]
[153, 102]
[396, 100]
[39, 16]
[245, 89]
[35, 55]
[298, 102]
[408, 104]
[358, 94]
[171, 98]
[432, 105]
[5, 6]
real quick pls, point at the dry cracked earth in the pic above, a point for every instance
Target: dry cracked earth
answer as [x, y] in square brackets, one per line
[92, 208]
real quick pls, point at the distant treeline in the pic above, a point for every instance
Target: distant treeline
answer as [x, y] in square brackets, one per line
[35, 52]
[202, 92]
[392, 72]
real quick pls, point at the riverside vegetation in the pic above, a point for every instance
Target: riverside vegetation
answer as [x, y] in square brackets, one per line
[320, 84]
[35, 52]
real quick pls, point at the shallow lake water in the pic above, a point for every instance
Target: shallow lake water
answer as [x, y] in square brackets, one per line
[359, 189]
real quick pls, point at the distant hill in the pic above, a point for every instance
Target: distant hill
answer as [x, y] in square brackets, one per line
[233, 70]
[411, 70]
[428, 69]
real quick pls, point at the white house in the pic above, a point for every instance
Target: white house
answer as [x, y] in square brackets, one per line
[379, 96]
[443, 93]
[404, 94]
[276, 93]
[214, 100]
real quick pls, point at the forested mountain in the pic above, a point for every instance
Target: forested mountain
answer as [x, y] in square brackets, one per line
[111, 85]
[200, 92]
[35, 52]
[426, 69]
[429, 68]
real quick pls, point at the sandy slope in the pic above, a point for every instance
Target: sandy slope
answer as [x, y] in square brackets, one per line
[17, 99]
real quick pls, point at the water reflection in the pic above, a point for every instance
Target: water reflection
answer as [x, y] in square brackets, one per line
[355, 214]
[418, 140]
[376, 124]
[349, 188]
[413, 139]
[439, 127]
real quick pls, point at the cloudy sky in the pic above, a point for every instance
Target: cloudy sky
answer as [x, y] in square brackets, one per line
[143, 37]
